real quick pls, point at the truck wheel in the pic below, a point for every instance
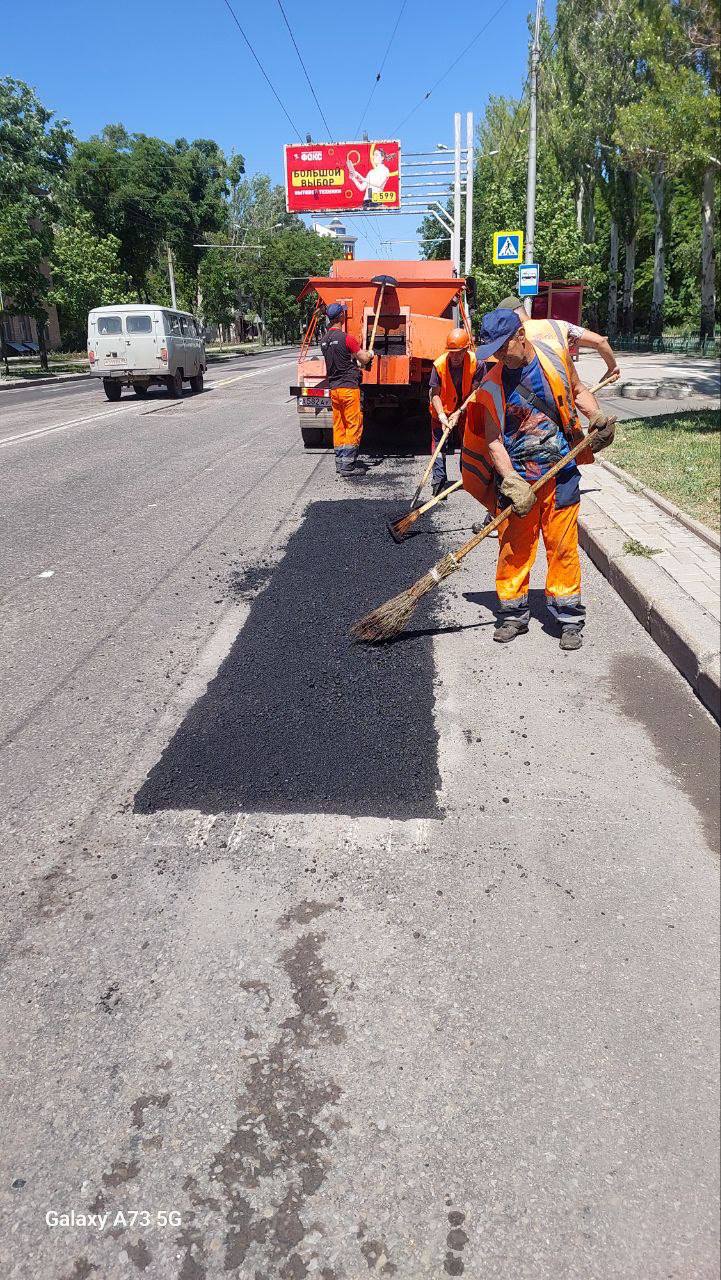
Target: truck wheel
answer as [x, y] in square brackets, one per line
[113, 389]
[313, 437]
[175, 385]
[196, 383]
[140, 389]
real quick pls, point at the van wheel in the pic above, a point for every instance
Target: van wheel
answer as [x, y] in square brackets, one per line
[113, 389]
[139, 389]
[196, 383]
[175, 385]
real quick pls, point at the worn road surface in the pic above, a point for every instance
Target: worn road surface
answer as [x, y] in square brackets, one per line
[320, 961]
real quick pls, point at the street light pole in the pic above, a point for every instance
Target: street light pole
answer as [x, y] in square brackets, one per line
[469, 193]
[171, 278]
[532, 141]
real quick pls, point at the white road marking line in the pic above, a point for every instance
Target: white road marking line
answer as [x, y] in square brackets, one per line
[63, 426]
[47, 573]
[77, 422]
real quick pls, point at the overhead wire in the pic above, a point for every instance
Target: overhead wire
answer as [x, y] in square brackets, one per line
[453, 64]
[305, 70]
[380, 69]
[264, 73]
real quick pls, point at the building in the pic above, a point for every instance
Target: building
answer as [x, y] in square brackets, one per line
[335, 230]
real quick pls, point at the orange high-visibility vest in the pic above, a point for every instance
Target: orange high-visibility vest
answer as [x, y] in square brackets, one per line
[490, 401]
[447, 389]
[546, 330]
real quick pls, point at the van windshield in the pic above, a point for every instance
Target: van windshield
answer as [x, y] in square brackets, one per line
[110, 324]
[138, 324]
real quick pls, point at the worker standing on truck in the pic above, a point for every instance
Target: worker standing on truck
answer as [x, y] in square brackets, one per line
[344, 359]
[452, 378]
[569, 335]
[527, 410]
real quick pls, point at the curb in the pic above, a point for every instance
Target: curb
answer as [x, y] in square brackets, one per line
[664, 504]
[54, 380]
[680, 627]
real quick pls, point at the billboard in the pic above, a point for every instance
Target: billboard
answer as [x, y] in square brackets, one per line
[342, 176]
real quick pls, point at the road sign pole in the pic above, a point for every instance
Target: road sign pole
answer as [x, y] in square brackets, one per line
[457, 193]
[469, 193]
[532, 136]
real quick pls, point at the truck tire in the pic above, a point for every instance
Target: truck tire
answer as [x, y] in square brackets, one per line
[112, 389]
[140, 389]
[196, 383]
[312, 437]
[175, 385]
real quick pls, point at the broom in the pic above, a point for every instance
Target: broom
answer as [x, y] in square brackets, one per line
[400, 529]
[390, 619]
[434, 455]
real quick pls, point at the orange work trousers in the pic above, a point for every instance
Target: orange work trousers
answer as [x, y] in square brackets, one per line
[518, 546]
[347, 417]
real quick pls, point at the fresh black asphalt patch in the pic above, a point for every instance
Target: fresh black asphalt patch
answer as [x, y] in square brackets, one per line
[299, 720]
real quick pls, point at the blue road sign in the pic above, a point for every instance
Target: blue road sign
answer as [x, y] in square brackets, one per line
[529, 275]
[507, 248]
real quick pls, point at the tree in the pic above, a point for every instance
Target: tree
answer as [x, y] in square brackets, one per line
[86, 273]
[22, 280]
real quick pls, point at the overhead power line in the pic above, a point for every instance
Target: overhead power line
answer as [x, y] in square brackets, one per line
[305, 71]
[380, 69]
[264, 73]
[455, 62]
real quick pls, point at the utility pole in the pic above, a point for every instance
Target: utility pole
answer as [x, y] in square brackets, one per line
[456, 241]
[469, 193]
[532, 137]
[171, 277]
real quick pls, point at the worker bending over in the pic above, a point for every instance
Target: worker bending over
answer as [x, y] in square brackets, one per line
[528, 413]
[344, 359]
[451, 383]
[571, 336]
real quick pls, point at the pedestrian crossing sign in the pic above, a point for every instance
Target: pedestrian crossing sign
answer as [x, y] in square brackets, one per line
[507, 248]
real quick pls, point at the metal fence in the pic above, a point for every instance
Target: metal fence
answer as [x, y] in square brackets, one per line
[687, 344]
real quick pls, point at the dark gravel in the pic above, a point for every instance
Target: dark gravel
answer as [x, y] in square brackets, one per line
[298, 720]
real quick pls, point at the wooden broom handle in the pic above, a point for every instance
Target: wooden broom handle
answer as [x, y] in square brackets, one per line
[377, 318]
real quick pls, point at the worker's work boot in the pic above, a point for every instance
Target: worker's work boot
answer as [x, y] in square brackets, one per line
[508, 630]
[439, 486]
[571, 638]
[357, 471]
[481, 524]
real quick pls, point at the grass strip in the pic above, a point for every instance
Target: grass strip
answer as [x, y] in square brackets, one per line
[678, 455]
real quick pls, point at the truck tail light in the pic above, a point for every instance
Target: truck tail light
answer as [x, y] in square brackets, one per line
[313, 391]
[91, 357]
[163, 355]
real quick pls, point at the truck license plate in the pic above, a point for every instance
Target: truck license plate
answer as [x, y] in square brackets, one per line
[314, 402]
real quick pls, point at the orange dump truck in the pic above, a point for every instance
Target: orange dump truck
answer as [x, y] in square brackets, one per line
[416, 314]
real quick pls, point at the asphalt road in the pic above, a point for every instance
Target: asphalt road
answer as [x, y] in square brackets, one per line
[401, 962]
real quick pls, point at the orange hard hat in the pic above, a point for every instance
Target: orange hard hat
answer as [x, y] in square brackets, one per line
[457, 340]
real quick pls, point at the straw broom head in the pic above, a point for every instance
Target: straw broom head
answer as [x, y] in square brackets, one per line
[390, 618]
[400, 529]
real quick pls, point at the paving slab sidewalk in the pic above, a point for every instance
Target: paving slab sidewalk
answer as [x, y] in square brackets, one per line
[676, 592]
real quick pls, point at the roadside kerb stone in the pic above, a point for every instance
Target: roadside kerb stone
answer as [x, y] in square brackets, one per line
[680, 627]
[664, 504]
[52, 381]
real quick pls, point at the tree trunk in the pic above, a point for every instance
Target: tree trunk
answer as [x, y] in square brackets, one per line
[592, 311]
[612, 322]
[579, 205]
[40, 323]
[658, 194]
[708, 254]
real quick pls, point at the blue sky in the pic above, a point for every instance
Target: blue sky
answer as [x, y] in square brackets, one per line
[183, 69]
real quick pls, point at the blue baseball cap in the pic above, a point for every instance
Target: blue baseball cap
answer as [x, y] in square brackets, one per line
[496, 328]
[335, 311]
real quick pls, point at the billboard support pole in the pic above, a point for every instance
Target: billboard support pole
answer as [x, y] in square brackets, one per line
[456, 253]
[469, 193]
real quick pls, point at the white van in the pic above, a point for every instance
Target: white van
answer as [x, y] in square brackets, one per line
[134, 346]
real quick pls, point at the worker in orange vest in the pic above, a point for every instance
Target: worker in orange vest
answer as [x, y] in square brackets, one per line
[569, 335]
[344, 359]
[527, 410]
[451, 382]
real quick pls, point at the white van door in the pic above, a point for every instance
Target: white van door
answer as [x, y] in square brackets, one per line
[110, 343]
[141, 341]
[191, 363]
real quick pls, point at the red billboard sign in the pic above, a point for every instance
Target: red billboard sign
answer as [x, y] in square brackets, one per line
[339, 176]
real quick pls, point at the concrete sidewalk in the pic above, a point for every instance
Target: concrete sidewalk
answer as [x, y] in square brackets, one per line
[675, 591]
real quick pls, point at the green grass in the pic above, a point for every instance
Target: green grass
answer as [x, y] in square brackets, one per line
[678, 455]
[632, 547]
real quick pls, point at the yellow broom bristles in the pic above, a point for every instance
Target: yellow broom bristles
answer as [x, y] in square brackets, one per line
[390, 618]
